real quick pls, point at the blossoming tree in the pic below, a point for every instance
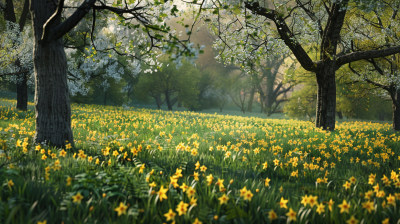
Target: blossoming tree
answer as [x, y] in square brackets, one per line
[383, 30]
[143, 24]
[313, 31]
[16, 48]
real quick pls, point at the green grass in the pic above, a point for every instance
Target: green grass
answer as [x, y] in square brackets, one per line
[232, 148]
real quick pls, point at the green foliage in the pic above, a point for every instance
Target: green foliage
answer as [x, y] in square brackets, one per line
[121, 151]
[180, 82]
[112, 94]
[302, 102]
[354, 99]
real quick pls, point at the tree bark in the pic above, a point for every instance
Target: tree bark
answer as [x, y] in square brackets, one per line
[105, 97]
[326, 96]
[22, 80]
[269, 92]
[52, 104]
[261, 103]
[168, 100]
[22, 91]
[396, 109]
[251, 99]
[340, 114]
[157, 98]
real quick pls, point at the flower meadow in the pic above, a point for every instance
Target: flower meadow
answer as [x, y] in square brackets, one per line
[132, 165]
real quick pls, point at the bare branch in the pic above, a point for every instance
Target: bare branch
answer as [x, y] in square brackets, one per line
[24, 15]
[15, 73]
[385, 87]
[360, 55]
[285, 34]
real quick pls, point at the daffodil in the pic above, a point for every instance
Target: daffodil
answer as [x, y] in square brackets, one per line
[272, 215]
[344, 207]
[121, 209]
[320, 208]
[170, 215]
[369, 206]
[223, 199]
[182, 208]
[77, 198]
[291, 215]
[352, 220]
[162, 193]
[283, 202]
[10, 183]
[197, 221]
[266, 182]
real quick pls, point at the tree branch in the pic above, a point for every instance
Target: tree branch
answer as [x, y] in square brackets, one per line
[24, 15]
[376, 66]
[277, 88]
[360, 55]
[53, 18]
[285, 34]
[331, 33]
[9, 13]
[368, 80]
[64, 27]
[284, 90]
[312, 15]
[15, 73]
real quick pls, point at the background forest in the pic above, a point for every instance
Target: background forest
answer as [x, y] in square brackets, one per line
[282, 88]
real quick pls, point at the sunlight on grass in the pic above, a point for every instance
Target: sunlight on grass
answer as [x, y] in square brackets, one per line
[151, 166]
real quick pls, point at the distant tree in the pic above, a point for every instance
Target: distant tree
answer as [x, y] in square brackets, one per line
[204, 86]
[272, 85]
[148, 86]
[170, 84]
[240, 89]
[249, 27]
[15, 55]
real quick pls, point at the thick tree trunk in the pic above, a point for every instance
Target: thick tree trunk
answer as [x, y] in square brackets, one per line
[22, 92]
[251, 99]
[269, 94]
[396, 110]
[326, 96]
[52, 105]
[168, 100]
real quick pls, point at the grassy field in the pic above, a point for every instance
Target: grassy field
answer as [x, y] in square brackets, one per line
[146, 166]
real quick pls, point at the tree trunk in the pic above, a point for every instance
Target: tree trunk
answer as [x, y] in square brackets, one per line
[168, 100]
[396, 110]
[340, 114]
[251, 99]
[22, 80]
[269, 99]
[22, 92]
[158, 101]
[326, 96]
[52, 105]
[262, 99]
[105, 97]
